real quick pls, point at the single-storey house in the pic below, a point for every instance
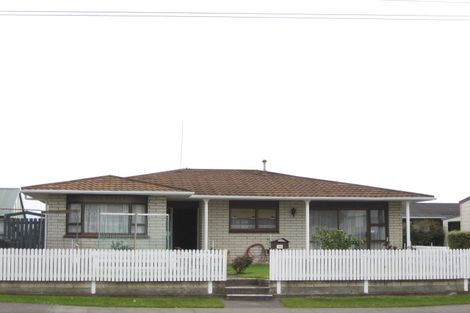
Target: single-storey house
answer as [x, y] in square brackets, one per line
[217, 208]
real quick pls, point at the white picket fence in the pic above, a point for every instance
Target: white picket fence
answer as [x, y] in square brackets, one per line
[112, 265]
[365, 265]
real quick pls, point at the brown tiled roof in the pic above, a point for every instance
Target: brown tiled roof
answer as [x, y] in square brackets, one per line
[103, 183]
[267, 184]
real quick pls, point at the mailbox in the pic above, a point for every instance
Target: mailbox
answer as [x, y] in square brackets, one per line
[281, 243]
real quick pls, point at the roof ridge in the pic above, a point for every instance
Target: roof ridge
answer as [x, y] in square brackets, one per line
[197, 169]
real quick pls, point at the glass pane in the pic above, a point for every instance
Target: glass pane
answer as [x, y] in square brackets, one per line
[114, 224]
[377, 245]
[377, 217]
[2, 229]
[377, 232]
[322, 219]
[75, 215]
[354, 222]
[91, 217]
[243, 219]
[140, 229]
[139, 208]
[267, 218]
[74, 229]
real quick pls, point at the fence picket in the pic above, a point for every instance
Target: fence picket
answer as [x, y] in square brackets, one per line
[328, 265]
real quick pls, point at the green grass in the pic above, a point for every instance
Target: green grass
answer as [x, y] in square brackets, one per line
[101, 301]
[253, 271]
[374, 301]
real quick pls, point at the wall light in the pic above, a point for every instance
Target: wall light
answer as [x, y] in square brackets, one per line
[293, 211]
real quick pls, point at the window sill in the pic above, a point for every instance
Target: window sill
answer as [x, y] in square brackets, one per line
[93, 236]
[253, 231]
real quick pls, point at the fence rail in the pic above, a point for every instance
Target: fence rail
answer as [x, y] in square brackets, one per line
[112, 265]
[328, 265]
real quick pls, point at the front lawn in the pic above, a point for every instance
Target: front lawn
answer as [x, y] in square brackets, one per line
[374, 301]
[101, 301]
[253, 271]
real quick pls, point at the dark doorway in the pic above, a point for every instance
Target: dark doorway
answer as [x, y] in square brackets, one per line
[184, 219]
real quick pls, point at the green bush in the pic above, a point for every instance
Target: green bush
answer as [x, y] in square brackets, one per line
[425, 233]
[241, 263]
[459, 239]
[336, 239]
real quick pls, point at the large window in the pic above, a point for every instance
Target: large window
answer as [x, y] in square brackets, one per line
[254, 216]
[367, 221]
[106, 215]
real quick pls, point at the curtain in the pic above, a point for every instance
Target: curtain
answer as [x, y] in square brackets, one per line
[354, 222]
[108, 224]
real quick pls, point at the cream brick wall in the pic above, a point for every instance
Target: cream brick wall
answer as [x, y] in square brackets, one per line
[56, 224]
[291, 228]
[465, 215]
[395, 221]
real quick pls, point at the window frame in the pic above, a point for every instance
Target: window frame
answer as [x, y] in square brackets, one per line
[125, 200]
[364, 206]
[256, 205]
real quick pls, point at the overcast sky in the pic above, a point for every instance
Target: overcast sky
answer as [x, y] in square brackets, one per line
[377, 102]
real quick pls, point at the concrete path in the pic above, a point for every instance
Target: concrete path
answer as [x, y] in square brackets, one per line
[43, 308]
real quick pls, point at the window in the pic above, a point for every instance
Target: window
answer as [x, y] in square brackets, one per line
[85, 216]
[2, 227]
[254, 216]
[366, 221]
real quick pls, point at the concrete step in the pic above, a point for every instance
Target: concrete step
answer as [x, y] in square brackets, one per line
[232, 282]
[254, 297]
[247, 290]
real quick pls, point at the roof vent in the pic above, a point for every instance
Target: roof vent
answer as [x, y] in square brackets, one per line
[264, 165]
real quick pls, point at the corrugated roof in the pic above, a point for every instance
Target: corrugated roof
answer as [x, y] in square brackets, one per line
[226, 182]
[434, 210]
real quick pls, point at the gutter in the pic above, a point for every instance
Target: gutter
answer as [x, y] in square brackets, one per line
[218, 197]
[191, 195]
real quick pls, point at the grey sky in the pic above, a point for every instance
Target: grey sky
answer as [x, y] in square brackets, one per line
[376, 102]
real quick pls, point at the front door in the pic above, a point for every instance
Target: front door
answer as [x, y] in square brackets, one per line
[184, 224]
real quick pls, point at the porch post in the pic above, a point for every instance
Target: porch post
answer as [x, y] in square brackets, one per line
[206, 224]
[408, 225]
[307, 225]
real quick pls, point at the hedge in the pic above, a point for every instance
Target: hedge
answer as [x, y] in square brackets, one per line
[459, 239]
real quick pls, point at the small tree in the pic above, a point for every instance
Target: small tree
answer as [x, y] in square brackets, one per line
[336, 239]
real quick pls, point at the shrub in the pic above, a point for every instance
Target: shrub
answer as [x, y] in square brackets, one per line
[425, 233]
[120, 245]
[336, 239]
[459, 239]
[241, 263]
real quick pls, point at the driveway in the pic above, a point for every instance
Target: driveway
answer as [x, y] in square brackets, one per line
[244, 308]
